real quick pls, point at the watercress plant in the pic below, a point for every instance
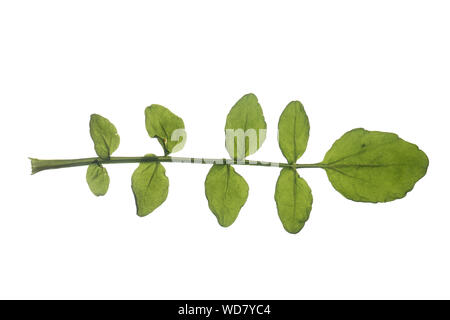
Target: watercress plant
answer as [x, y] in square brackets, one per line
[364, 166]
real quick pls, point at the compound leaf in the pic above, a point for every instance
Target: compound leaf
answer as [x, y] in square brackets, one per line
[294, 200]
[293, 131]
[97, 179]
[167, 127]
[245, 128]
[373, 166]
[150, 186]
[104, 134]
[226, 192]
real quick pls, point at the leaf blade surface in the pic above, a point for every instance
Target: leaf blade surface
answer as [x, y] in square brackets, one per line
[294, 200]
[227, 192]
[293, 131]
[245, 127]
[150, 186]
[104, 135]
[97, 179]
[167, 127]
[373, 166]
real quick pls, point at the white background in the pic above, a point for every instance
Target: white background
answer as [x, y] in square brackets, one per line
[381, 65]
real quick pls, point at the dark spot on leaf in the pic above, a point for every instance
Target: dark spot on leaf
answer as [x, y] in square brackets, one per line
[363, 145]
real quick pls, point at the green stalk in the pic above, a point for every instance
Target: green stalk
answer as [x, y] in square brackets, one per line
[38, 165]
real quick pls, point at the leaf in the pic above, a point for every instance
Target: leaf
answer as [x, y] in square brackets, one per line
[245, 128]
[104, 134]
[168, 128]
[97, 179]
[294, 200]
[373, 166]
[226, 192]
[150, 186]
[293, 131]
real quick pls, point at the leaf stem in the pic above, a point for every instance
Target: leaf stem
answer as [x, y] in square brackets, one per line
[38, 165]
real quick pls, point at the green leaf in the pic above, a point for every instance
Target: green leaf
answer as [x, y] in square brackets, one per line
[294, 200]
[226, 192]
[97, 179]
[104, 134]
[150, 186]
[373, 166]
[293, 131]
[168, 128]
[245, 129]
